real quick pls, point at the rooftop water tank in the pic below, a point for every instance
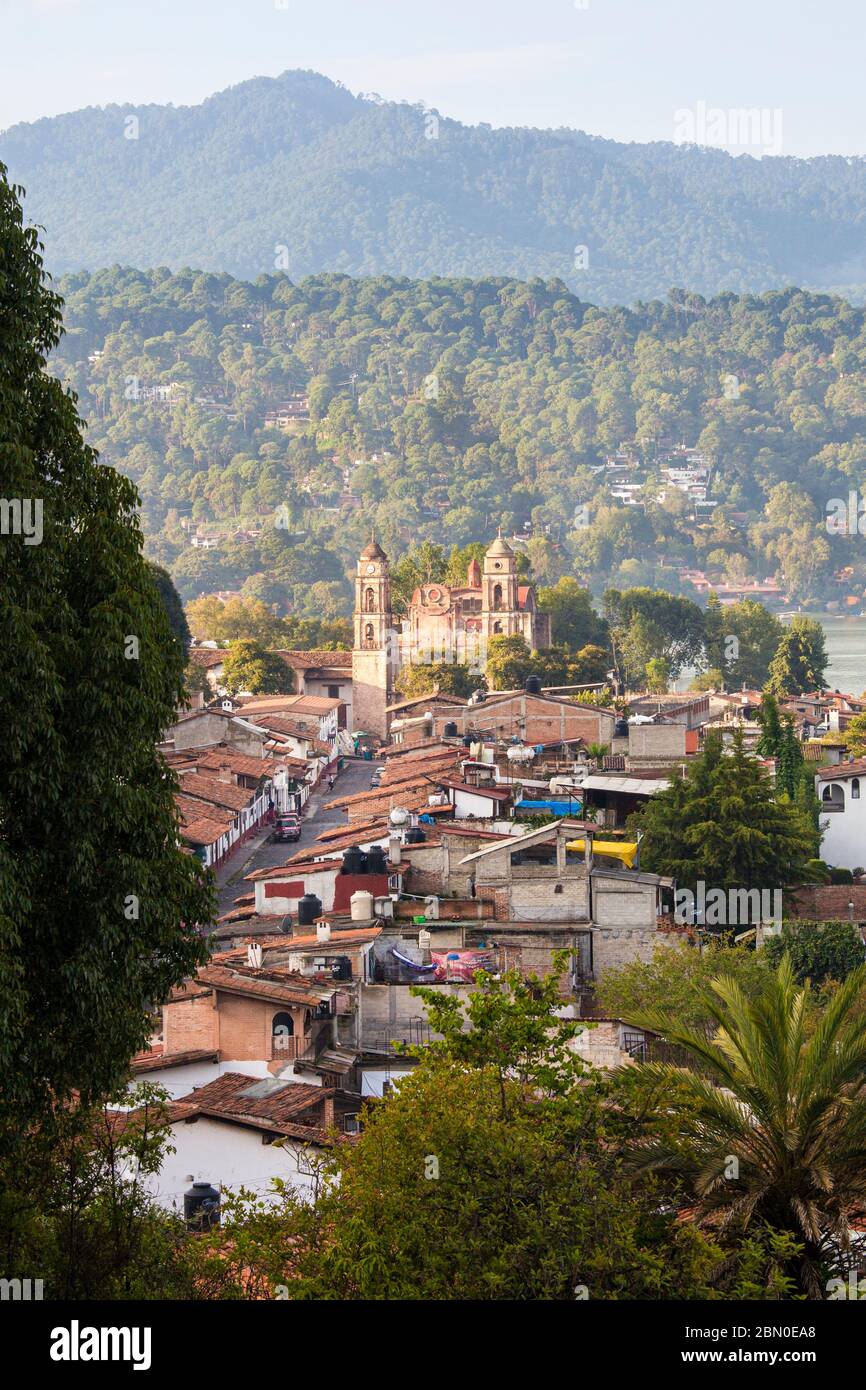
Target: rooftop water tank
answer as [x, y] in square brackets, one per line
[201, 1207]
[450, 729]
[415, 836]
[352, 861]
[309, 908]
[532, 685]
[361, 906]
[376, 861]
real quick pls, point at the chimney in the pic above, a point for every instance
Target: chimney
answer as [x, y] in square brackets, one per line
[225, 773]
[254, 955]
[328, 1118]
[395, 849]
[323, 932]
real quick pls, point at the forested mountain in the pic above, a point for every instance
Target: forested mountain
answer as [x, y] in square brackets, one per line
[440, 409]
[296, 173]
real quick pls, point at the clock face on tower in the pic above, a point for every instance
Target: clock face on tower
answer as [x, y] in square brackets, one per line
[371, 569]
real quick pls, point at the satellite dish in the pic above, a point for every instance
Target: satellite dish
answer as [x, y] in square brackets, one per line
[398, 815]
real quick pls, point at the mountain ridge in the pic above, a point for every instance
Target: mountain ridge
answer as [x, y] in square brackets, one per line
[297, 173]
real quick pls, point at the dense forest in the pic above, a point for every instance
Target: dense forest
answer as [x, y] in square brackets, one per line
[297, 173]
[437, 410]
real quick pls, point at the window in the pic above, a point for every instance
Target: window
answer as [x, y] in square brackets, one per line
[333, 692]
[497, 596]
[369, 601]
[855, 788]
[833, 799]
[368, 635]
[283, 1025]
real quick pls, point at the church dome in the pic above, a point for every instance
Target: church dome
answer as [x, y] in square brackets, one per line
[373, 551]
[499, 547]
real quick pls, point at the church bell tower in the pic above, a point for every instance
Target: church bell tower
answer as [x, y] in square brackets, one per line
[374, 657]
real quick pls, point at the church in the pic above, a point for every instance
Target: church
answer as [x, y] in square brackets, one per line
[443, 624]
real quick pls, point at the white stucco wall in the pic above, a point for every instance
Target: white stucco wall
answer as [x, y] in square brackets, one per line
[843, 842]
[228, 1156]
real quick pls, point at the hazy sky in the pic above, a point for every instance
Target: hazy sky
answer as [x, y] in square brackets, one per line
[619, 68]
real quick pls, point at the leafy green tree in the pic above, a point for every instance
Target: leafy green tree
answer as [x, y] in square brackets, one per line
[574, 621]
[818, 951]
[509, 662]
[775, 1133]
[723, 824]
[676, 982]
[649, 624]
[449, 678]
[855, 736]
[98, 903]
[75, 1203]
[172, 605]
[657, 675]
[800, 662]
[758, 632]
[250, 667]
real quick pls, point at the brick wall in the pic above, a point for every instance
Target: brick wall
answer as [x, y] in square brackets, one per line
[189, 1024]
[826, 902]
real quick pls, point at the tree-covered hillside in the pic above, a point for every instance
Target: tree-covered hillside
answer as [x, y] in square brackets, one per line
[296, 173]
[440, 409]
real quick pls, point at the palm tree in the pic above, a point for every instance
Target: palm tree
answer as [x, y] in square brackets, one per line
[597, 751]
[772, 1128]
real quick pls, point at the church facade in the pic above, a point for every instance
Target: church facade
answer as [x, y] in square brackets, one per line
[444, 624]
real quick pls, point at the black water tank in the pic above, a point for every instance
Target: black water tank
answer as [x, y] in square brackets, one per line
[620, 728]
[468, 740]
[341, 968]
[352, 861]
[309, 908]
[376, 861]
[201, 1207]
[532, 685]
[415, 836]
[450, 729]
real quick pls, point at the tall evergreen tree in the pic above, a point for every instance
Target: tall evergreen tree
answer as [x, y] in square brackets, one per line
[724, 825]
[98, 903]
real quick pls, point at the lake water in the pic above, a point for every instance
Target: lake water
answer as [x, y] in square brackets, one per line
[846, 648]
[845, 639]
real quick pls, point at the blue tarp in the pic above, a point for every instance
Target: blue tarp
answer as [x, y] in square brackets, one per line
[559, 808]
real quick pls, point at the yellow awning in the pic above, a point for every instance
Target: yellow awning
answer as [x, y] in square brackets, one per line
[613, 849]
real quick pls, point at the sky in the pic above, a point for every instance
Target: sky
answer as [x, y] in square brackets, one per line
[625, 69]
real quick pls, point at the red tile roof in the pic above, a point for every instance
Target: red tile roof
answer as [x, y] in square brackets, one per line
[156, 1058]
[293, 1108]
[212, 790]
[282, 986]
[842, 770]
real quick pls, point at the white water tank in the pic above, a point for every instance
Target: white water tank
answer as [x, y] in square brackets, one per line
[361, 906]
[323, 931]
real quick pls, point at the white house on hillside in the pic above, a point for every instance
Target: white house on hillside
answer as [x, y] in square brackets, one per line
[842, 794]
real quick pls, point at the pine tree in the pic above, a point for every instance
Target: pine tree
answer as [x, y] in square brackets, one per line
[723, 824]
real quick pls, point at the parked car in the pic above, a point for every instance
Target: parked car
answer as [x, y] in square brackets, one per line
[287, 827]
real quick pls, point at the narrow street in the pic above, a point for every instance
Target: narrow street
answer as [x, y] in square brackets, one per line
[262, 854]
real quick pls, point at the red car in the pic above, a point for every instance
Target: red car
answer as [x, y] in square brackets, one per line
[287, 826]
